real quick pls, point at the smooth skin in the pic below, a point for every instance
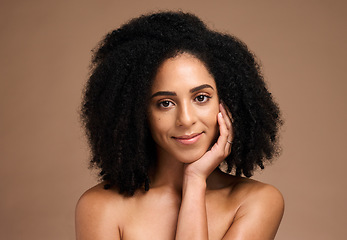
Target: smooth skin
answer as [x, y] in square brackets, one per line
[189, 198]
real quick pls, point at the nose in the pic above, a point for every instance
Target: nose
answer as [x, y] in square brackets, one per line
[185, 115]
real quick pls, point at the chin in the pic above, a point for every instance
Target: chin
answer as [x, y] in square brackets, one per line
[190, 157]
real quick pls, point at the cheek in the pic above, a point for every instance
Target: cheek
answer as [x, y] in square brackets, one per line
[158, 127]
[210, 114]
[210, 119]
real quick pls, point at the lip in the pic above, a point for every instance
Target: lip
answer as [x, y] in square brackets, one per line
[188, 139]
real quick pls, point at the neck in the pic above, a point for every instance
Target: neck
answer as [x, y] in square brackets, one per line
[168, 172]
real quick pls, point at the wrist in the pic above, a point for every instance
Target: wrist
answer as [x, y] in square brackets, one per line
[193, 174]
[195, 181]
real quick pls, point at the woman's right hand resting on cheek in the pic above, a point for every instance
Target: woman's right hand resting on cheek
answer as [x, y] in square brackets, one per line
[204, 166]
[192, 220]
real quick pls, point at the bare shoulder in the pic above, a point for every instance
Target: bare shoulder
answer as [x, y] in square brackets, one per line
[260, 211]
[97, 196]
[258, 194]
[99, 214]
[255, 190]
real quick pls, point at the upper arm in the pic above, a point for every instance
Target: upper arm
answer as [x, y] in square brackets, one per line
[259, 216]
[95, 218]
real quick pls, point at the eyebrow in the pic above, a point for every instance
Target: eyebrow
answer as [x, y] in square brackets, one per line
[168, 93]
[200, 87]
[164, 93]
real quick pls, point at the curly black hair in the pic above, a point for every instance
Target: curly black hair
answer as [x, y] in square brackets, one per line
[114, 108]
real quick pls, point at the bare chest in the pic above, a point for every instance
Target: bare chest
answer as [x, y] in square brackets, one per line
[158, 220]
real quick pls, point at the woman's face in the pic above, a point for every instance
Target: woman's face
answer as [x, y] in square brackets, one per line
[183, 109]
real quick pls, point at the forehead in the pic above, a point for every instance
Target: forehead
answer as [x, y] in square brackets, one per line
[182, 71]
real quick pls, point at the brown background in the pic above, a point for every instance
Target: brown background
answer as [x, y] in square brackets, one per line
[45, 52]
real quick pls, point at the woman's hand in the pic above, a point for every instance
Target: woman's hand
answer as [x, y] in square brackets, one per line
[192, 219]
[204, 166]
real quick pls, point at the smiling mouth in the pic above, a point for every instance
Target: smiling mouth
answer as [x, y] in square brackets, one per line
[188, 139]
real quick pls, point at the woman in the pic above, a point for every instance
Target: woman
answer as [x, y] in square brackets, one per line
[167, 102]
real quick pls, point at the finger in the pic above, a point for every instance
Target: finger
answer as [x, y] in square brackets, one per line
[223, 131]
[225, 138]
[228, 148]
[226, 109]
[226, 115]
[228, 122]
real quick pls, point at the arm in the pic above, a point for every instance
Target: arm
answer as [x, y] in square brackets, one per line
[192, 218]
[95, 217]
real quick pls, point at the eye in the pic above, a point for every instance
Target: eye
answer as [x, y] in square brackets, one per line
[165, 104]
[202, 98]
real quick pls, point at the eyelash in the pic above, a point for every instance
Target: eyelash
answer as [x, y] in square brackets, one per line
[206, 99]
[160, 104]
